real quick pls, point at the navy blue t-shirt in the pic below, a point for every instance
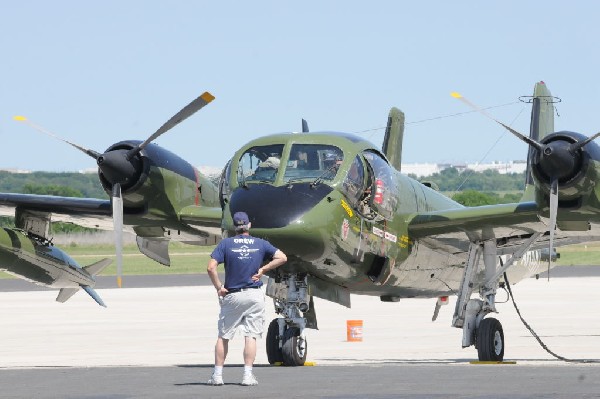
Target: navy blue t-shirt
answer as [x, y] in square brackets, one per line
[243, 255]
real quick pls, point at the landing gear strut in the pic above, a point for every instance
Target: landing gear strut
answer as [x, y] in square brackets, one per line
[285, 340]
[486, 334]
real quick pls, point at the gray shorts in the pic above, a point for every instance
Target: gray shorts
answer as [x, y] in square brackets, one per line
[244, 309]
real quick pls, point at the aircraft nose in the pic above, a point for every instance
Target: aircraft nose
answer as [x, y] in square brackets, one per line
[275, 207]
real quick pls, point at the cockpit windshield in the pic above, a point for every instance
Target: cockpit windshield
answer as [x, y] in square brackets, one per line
[260, 164]
[313, 161]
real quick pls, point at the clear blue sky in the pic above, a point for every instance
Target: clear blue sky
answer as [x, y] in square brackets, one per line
[99, 72]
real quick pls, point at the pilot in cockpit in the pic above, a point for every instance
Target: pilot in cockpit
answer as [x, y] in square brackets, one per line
[299, 160]
[267, 169]
[269, 163]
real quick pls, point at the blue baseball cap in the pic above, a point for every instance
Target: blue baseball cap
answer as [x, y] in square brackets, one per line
[240, 219]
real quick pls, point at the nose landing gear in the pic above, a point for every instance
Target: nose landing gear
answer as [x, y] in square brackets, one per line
[286, 342]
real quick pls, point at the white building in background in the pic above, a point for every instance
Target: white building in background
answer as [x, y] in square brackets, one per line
[418, 169]
[427, 169]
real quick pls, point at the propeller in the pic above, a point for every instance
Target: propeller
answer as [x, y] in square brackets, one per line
[26, 121]
[196, 105]
[117, 211]
[122, 166]
[552, 224]
[558, 160]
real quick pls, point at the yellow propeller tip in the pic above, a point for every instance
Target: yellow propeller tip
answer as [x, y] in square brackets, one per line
[455, 95]
[19, 118]
[206, 96]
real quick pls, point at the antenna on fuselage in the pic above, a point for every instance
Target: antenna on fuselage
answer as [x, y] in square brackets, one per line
[304, 126]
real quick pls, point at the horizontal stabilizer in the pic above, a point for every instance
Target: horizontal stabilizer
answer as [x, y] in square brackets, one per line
[96, 268]
[66, 293]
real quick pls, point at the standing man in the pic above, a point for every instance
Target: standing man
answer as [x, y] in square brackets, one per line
[243, 302]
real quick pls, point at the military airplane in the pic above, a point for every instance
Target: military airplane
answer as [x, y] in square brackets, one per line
[349, 221]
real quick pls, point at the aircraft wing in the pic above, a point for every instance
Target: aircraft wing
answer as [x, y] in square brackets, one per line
[86, 212]
[202, 216]
[510, 224]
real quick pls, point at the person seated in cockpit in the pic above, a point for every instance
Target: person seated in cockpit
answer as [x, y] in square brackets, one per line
[269, 163]
[300, 160]
[267, 169]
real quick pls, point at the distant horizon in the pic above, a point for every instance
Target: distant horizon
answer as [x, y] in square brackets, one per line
[208, 169]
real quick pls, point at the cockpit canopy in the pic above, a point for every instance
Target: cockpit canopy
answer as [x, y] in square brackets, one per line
[263, 164]
[367, 182]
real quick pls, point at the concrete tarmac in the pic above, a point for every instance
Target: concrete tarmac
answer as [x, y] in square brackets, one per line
[157, 342]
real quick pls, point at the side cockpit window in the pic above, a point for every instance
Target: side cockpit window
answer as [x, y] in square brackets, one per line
[311, 161]
[224, 190]
[354, 184]
[259, 164]
[381, 185]
[369, 186]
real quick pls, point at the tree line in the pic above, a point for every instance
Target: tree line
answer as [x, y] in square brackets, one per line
[68, 184]
[48, 183]
[468, 188]
[472, 188]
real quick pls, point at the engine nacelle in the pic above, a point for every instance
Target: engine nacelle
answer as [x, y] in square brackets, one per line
[573, 168]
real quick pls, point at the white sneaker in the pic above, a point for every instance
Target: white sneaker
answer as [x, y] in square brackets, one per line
[215, 380]
[249, 379]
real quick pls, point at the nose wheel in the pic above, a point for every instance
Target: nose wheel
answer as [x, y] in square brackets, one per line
[274, 354]
[289, 348]
[294, 347]
[490, 340]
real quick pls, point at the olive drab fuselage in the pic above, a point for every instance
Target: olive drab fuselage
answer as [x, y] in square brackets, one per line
[346, 222]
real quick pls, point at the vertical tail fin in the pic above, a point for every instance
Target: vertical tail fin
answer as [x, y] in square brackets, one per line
[394, 133]
[541, 125]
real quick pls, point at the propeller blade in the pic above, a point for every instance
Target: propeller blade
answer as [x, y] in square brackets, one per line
[185, 113]
[553, 215]
[576, 146]
[117, 210]
[522, 137]
[26, 121]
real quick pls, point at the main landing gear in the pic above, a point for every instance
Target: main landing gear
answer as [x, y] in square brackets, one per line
[486, 334]
[286, 342]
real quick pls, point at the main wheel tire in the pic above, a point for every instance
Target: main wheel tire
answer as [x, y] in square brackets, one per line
[294, 347]
[490, 340]
[274, 353]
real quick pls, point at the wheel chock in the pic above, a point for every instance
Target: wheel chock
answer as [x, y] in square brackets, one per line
[492, 362]
[305, 364]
